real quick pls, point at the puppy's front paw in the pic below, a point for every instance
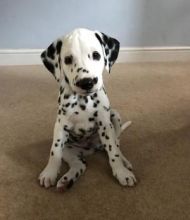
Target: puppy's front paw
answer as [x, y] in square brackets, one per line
[125, 176]
[48, 176]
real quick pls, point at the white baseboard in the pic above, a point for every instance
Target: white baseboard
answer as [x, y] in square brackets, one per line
[20, 57]
[154, 54]
[126, 55]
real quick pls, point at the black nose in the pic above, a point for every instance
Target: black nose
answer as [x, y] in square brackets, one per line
[86, 83]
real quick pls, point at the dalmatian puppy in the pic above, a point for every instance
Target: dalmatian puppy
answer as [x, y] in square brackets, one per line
[85, 121]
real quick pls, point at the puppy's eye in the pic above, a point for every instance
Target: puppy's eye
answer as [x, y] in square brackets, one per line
[96, 55]
[68, 60]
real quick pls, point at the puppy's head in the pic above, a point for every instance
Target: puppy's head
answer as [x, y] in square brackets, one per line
[80, 57]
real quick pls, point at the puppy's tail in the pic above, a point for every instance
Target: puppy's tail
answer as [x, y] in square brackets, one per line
[125, 125]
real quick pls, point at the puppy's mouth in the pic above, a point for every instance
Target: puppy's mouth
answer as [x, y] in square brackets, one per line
[88, 92]
[85, 92]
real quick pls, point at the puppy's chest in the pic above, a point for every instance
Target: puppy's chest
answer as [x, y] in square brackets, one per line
[81, 114]
[82, 121]
[81, 128]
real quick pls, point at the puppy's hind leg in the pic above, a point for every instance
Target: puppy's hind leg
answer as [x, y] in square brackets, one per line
[119, 128]
[116, 121]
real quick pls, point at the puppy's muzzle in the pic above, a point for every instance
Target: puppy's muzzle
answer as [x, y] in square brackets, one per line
[87, 83]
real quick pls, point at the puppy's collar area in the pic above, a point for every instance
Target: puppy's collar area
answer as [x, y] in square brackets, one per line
[70, 91]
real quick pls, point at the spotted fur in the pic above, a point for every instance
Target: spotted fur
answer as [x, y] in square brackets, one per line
[85, 121]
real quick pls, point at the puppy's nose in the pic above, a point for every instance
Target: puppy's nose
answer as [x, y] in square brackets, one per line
[86, 83]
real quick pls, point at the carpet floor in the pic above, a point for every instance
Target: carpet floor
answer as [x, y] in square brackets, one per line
[155, 96]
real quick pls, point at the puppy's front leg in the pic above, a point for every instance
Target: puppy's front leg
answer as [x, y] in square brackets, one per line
[49, 174]
[111, 143]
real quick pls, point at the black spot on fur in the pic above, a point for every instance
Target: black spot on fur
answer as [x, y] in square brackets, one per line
[99, 38]
[76, 113]
[51, 51]
[110, 43]
[107, 51]
[113, 56]
[58, 46]
[77, 175]
[103, 134]
[83, 107]
[66, 96]
[61, 90]
[59, 61]
[79, 69]
[73, 105]
[110, 147]
[70, 184]
[91, 119]
[67, 105]
[85, 99]
[65, 177]
[43, 54]
[59, 100]
[56, 144]
[64, 111]
[83, 160]
[105, 61]
[105, 38]
[66, 80]
[116, 155]
[95, 113]
[113, 160]
[95, 80]
[107, 137]
[49, 66]
[66, 128]
[52, 153]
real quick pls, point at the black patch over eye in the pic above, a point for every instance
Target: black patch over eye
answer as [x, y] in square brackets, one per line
[96, 55]
[68, 60]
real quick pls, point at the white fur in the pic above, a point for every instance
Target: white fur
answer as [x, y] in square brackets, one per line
[102, 132]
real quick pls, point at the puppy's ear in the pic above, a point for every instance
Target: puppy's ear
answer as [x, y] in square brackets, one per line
[51, 58]
[110, 48]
